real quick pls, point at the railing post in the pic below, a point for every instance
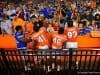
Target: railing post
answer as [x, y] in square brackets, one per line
[70, 61]
[5, 62]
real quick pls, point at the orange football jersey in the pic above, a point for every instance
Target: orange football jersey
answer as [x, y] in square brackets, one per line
[41, 38]
[71, 34]
[29, 27]
[58, 40]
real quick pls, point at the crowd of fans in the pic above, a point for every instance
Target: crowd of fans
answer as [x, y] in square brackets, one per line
[26, 21]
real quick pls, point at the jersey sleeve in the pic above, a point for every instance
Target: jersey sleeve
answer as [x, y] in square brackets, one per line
[33, 37]
[20, 36]
[64, 38]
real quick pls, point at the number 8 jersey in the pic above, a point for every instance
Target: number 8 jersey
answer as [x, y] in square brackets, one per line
[71, 34]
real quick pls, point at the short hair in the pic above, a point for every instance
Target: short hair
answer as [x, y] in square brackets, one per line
[62, 21]
[95, 17]
[39, 24]
[36, 28]
[17, 28]
[6, 16]
[70, 23]
[84, 24]
[61, 30]
[13, 15]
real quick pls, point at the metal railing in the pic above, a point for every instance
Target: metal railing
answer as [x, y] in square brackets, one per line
[47, 62]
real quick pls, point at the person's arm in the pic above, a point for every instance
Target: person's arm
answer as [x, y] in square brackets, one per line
[34, 44]
[2, 28]
[13, 29]
[25, 39]
[10, 27]
[22, 39]
[19, 12]
[48, 30]
[64, 45]
[52, 29]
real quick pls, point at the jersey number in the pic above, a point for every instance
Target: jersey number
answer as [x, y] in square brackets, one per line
[41, 38]
[56, 40]
[72, 34]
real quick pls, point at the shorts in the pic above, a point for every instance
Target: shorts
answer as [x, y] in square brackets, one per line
[72, 45]
[43, 47]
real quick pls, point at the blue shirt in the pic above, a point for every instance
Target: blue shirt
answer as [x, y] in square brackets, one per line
[1, 13]
[87, 30]
[27, 14]
[20, 44]
[98, 26]
[47, 12]
[50, 13]
[82, 31]
[69, 14]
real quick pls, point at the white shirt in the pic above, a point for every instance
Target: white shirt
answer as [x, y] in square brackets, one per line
[6, 26]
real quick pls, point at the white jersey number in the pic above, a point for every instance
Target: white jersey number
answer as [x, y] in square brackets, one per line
[56, 40]
[72, 34]
[41, 38]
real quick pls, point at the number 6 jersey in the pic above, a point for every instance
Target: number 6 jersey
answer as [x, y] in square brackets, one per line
[58, 40]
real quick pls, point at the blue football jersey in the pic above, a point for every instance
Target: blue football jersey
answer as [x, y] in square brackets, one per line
[20, 44]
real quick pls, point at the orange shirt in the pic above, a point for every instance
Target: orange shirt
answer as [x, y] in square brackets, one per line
[93, 4]
[29, 27]
[41, 38]
[49, 36]
[58, 40]
[71, 34]
[18, 22]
